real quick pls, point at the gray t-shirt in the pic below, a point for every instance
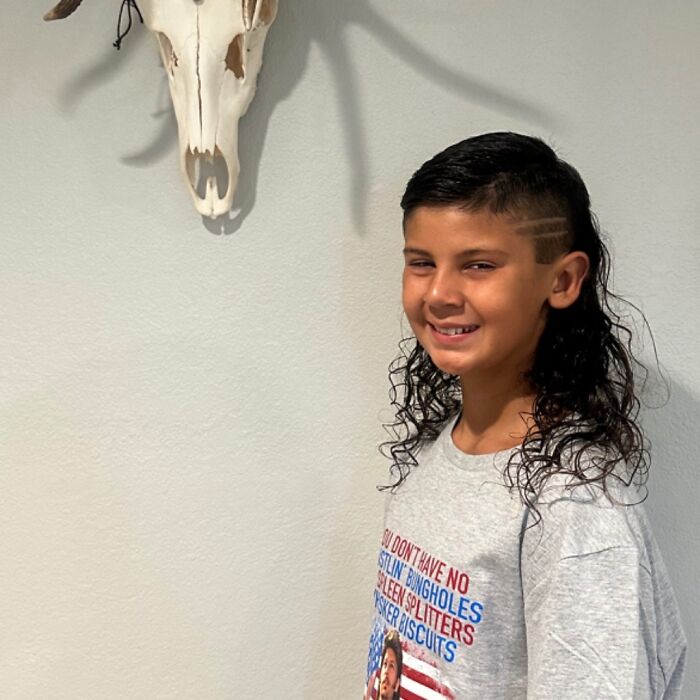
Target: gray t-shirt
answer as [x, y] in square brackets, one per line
[579, 606]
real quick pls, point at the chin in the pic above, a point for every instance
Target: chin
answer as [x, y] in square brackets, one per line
[447, 364]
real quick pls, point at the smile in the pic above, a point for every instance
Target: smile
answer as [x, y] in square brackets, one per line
[452, 335]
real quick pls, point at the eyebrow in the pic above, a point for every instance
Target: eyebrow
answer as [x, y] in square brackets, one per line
[468, 251]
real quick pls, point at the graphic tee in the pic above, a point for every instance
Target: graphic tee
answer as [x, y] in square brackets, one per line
[471, 603]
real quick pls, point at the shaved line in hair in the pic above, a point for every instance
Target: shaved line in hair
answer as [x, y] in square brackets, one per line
[542, 227]
[552, 236]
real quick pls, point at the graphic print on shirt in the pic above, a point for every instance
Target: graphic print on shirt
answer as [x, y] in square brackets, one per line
[402, 670]
[425, 617]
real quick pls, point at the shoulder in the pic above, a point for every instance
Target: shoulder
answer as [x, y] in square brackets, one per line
[584, 544]
[585, 518]
[578, 512]
[586, 474]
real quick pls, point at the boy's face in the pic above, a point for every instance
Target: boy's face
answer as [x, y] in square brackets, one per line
[502, 290]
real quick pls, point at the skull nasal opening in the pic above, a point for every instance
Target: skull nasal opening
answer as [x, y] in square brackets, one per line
[234, 57]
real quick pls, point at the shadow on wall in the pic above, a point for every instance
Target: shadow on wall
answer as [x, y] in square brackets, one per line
[297, 26]
[673, 508]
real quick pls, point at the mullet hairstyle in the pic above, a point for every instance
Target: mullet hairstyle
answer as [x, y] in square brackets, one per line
[580, 366]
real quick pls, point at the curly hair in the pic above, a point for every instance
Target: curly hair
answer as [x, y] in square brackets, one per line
[582, 374]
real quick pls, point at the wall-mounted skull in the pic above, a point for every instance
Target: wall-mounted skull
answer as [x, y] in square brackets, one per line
[212, 52]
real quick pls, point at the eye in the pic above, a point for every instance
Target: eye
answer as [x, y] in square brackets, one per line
[481, 267]
[420, 263]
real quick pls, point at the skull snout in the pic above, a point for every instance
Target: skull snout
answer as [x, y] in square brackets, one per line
[212, 180]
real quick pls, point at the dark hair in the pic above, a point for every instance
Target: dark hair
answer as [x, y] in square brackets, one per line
[392, 641]
[582, 374]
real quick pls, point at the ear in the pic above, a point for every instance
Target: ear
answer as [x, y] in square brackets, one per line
[569, 274]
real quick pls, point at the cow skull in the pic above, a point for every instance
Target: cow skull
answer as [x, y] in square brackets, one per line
[212, 52]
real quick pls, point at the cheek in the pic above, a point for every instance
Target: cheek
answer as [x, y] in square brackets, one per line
[413, 309]
[409, 297]
[500, 304]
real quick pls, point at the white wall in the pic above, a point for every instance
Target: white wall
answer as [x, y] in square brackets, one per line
[188, 417]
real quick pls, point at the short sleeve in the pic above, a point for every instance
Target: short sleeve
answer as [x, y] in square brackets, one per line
[586, 595]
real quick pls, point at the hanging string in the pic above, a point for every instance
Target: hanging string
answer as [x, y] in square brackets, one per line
[121, 34]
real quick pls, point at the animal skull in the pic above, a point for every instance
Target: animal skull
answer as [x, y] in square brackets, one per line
[212, 52]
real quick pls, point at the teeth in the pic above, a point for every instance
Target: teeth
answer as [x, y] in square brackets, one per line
[456, 331]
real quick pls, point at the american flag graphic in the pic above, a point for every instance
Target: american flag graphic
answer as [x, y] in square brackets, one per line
[419, 677]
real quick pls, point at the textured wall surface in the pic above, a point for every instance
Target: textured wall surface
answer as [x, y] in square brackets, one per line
[189, 412]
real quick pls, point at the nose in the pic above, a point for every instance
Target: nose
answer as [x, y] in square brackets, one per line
[444, 290]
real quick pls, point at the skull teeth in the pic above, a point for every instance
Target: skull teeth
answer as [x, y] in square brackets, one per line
[207, 154]
[209, 178]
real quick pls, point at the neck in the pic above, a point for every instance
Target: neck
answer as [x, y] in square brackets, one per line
[491, 419]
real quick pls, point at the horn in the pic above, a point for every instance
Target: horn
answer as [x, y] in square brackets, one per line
[62, 10]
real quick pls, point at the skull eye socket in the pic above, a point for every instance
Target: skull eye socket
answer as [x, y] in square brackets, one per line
[167, 53]
[234, 57]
